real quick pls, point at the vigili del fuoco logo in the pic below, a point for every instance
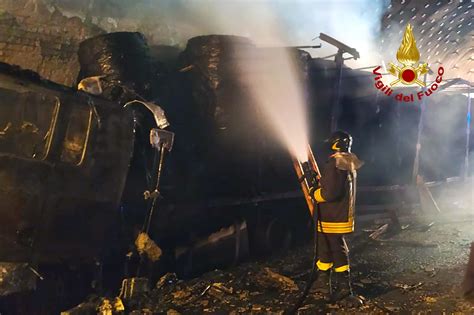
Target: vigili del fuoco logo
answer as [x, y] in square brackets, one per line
[408, 72]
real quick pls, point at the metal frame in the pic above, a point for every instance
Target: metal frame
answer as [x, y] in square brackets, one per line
[52, 128]
[86, 141]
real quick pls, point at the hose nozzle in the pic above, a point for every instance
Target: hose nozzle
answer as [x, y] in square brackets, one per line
[309, 174]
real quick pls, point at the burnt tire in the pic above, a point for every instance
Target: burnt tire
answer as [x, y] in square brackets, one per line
[272, 237]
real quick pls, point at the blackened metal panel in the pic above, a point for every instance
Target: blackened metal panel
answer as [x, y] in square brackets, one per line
[62, 170]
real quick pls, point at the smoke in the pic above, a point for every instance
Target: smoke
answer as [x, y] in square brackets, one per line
[356, 23]
[269, 75]
[172, 22]
[272, 79]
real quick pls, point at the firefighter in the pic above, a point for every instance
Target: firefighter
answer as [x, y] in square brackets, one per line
[335, 196]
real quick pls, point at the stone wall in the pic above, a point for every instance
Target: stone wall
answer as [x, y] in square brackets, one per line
[39, 37]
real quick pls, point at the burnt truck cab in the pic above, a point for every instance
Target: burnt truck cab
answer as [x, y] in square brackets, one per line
[64, 159]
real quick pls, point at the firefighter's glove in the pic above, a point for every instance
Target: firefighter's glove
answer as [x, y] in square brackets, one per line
[315, 193]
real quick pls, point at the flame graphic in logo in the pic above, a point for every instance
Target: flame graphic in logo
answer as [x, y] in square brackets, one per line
[408, 55]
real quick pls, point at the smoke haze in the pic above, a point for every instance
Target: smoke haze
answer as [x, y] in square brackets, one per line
[298, 22]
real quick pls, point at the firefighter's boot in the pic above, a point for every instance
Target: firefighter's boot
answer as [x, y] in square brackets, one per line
[343, 290]
[322, 285]
[342, 284]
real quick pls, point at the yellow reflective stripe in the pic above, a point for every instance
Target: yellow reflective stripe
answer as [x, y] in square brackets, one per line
[337, 224]
[323, 266]
[342, 268]
[347, 229]
[318, 197]
[336, 229]
[336, 232]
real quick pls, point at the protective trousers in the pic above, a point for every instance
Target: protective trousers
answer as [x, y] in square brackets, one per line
[332, 252]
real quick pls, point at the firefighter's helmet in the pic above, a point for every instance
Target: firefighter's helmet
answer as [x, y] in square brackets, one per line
[340, 141]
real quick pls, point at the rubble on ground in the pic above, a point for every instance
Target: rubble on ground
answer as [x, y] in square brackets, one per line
[392, 277]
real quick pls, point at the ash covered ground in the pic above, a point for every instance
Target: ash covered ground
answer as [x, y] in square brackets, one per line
[418, 269]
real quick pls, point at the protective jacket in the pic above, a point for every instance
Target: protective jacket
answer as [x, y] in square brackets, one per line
[337, 193]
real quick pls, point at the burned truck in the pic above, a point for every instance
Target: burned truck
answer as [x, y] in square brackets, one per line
[64, 160]
[74, 166]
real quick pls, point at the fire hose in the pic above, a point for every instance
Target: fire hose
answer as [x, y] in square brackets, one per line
[308, 174]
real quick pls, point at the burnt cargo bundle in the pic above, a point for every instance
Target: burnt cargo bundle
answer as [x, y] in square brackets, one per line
[214, 60]
[123, 60]
[239, 157]
[222, 115]
[224, 151]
